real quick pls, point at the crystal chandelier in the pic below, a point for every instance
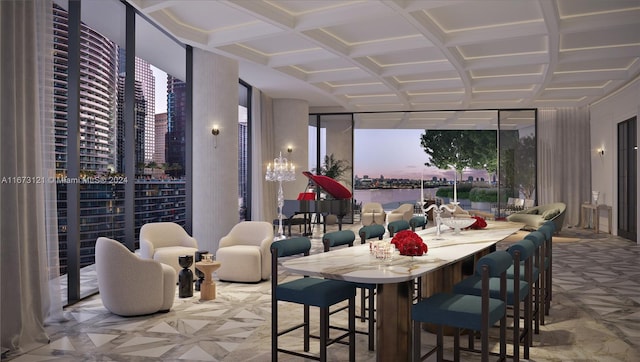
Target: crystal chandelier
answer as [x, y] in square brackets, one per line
[282, 171]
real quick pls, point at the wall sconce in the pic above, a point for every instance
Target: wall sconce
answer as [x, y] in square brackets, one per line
[600, 151]
[215, 131]
[289, 149]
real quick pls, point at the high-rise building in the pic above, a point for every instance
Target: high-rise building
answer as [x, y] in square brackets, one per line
[140, 107]
[144, 112]
[176, 123]
[98, 81]
[160, 132]
[147, 81]
[102, 130]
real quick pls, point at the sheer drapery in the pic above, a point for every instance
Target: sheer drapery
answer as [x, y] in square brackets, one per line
[267, 129]
[29, 257]
[564, 160]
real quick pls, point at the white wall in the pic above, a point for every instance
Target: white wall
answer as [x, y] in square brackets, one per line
[291, 127]
[605, 116]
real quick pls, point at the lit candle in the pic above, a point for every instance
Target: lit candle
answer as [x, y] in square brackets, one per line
[455, 185]
[269, 167]
[422, 189]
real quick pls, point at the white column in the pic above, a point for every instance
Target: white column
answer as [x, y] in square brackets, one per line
[215, 158]
[291, 120]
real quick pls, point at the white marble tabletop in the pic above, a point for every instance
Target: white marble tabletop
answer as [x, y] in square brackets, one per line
[356, 264]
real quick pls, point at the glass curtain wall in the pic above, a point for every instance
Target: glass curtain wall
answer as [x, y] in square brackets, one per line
[517, 160]
[105, 127]
[244, 183]
[331, 152]
[403, 157]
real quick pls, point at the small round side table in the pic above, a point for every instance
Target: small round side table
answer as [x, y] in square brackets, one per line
[208, 286]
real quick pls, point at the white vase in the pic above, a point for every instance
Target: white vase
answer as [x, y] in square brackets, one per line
[595, 195]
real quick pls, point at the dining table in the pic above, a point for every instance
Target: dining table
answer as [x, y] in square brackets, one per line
[395, 278]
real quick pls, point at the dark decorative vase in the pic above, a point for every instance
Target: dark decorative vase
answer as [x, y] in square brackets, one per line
[199, 274]
[185, 277]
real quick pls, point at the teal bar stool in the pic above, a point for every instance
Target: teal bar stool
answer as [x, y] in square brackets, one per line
[397, 225]
[466, 311]
[542, 265]
[418, 221]
[371, 232]
[367, 291]
[519, 291]
[336, 238]
[309, 291]
[548, 229]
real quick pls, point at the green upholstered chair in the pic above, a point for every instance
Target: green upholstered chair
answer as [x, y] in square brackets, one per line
[367, 291]
[397, 225]
[518, 291]
[466, 311]
[418, 221]
[370, 232]
[309, 291]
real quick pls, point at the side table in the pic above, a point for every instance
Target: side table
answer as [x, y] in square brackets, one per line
[208, 286]
[594, 213]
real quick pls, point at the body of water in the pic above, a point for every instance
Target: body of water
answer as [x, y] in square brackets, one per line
[392, 198]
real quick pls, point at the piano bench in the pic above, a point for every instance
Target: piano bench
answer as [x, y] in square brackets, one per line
[335, 238]
[418, 221]
[287, 222]
[371, 231]
[398, 225]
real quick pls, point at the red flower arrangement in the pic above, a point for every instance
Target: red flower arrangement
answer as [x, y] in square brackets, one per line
[479, 224]
[409, 243]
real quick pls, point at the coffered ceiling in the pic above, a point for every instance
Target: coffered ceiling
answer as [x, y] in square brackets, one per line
[401, 55]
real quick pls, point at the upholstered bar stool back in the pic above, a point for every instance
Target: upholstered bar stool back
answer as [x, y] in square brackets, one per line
[418, 221]
[336, 238]
[398, 225]
[370, 232]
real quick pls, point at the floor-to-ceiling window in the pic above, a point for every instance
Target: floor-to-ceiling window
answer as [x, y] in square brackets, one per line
[244, 150]
[395, 153]
[105, 103]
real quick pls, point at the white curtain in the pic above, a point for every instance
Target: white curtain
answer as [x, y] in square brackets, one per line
[564, 160]
[267, 129]
[29, 252]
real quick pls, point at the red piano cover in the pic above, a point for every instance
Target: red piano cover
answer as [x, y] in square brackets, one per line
[331, 186]
[307, 196]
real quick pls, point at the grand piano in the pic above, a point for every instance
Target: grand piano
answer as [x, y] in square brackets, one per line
[338, 204]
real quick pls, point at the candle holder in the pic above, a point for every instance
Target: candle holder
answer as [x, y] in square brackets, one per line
[282, 171]
[437, 210]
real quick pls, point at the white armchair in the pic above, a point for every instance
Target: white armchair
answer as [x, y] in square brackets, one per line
[372, 213]
[403, 212]
[130, 285]
[459, 212]
[165, 242]
[244, 254]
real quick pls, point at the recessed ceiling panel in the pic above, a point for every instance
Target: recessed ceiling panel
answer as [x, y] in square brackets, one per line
[484, 14]
[208, 16]
[522, 45]
[369, 30]
[624, 35]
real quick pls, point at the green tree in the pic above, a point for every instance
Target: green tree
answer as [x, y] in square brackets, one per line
[526, 161]
[333, 168]
[461, 149]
